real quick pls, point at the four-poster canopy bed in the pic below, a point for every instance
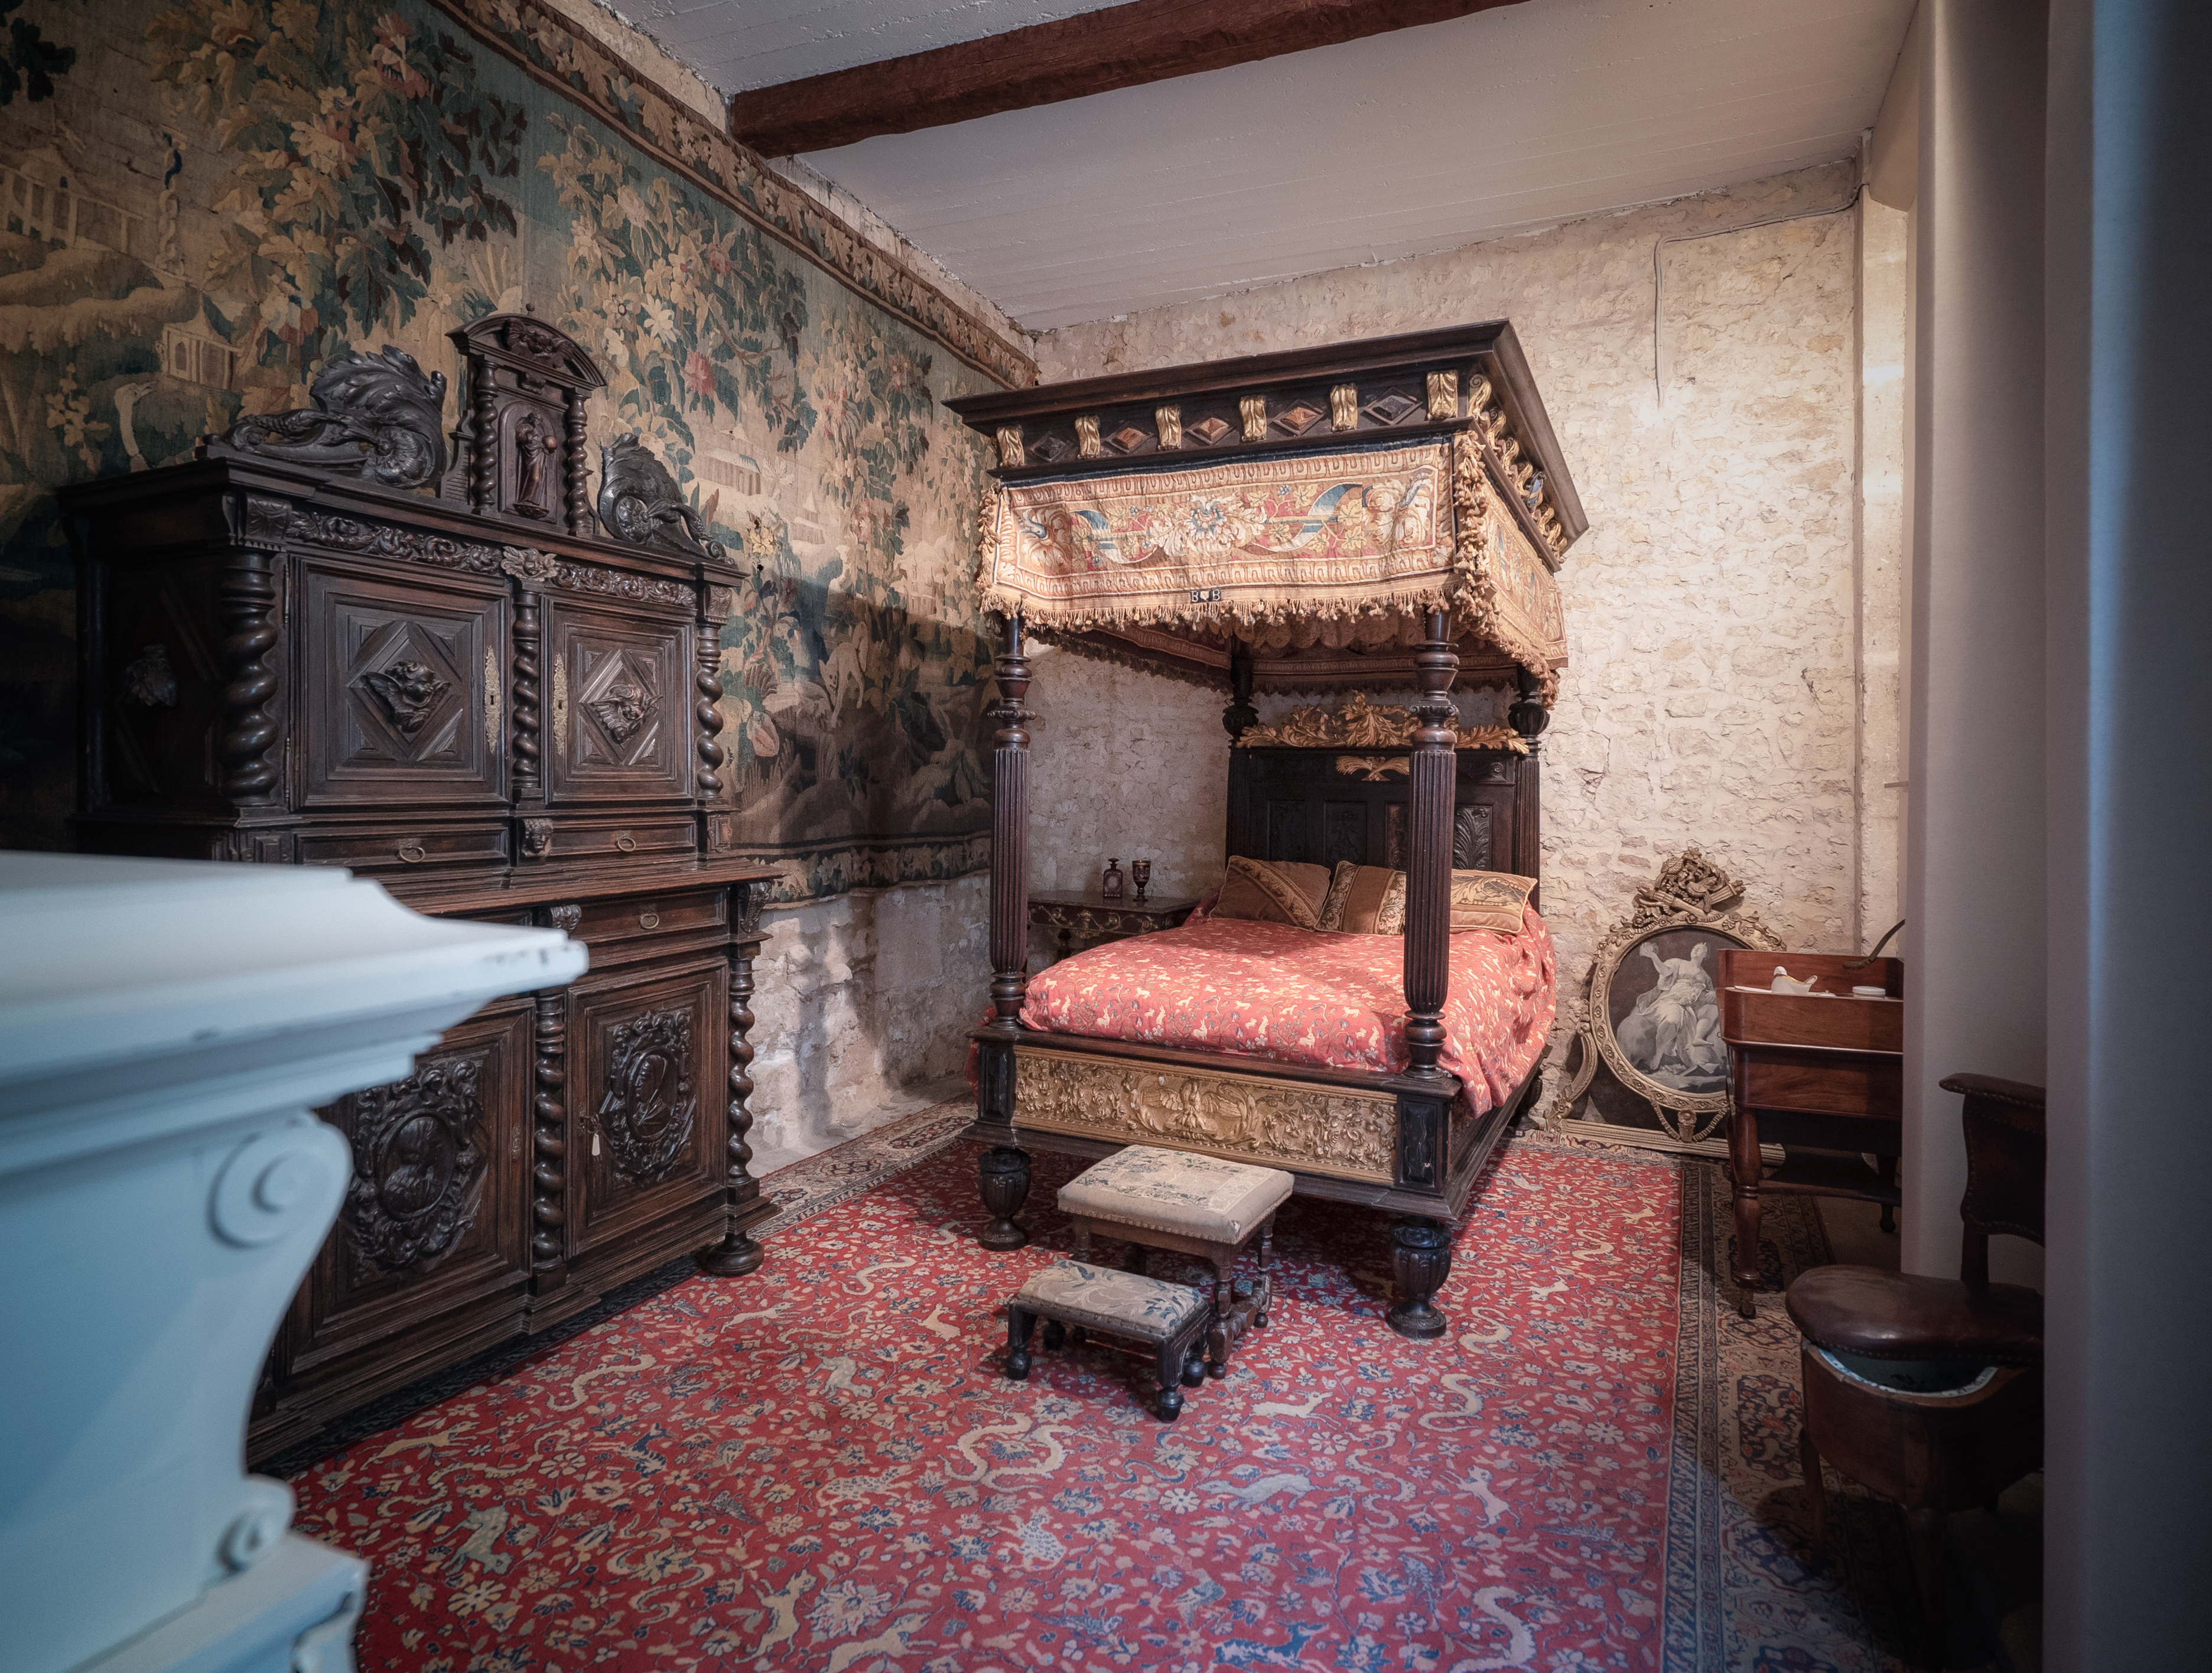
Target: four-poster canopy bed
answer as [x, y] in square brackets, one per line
[1369, 517]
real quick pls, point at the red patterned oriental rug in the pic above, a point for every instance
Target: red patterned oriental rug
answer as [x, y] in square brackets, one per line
[821, 1467]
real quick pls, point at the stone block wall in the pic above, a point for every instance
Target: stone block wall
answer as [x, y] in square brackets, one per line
[1714, 610]
[860, 997]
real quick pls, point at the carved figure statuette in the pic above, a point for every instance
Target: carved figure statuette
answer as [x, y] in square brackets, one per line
[640, 504]
[531, 445]
[374, 416]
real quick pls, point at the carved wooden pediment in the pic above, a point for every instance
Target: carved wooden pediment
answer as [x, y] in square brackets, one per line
[530, 344]
[521, 445]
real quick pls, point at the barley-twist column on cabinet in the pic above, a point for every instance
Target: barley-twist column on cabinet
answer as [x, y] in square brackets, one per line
[548, 1177]
[738, 1253]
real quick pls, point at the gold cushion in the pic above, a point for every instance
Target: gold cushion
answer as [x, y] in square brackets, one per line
[1273, 893]
[1174, 1191]
[1102, 1299]
[1489, 900]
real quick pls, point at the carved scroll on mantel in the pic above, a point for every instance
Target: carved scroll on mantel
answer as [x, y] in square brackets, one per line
[1359, 724]
[378, 416]
[1342, 1132]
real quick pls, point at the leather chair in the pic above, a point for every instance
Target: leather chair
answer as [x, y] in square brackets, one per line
[1929, 1391]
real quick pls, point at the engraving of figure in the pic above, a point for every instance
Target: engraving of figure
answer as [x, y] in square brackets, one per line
[1674, 1033]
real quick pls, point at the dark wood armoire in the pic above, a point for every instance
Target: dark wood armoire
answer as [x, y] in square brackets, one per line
[331, 640]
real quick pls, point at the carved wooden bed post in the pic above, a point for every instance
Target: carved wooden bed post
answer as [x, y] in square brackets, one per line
[1528, 717]
[1004, 1171]
[1420, 1250]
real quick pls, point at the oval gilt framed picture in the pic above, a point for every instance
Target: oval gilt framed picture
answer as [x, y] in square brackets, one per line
[1656, 1016]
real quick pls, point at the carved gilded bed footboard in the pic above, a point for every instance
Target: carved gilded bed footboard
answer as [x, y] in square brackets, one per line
[1344, 1132]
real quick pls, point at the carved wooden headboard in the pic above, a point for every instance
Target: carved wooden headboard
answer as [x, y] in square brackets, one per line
[1320, 806]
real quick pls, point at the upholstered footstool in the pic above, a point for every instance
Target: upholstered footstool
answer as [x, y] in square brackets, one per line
[1073, 1297]
[1196, 1205]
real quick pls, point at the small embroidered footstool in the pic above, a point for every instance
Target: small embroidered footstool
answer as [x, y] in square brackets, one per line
[1170, 1319]
[1196, 1205]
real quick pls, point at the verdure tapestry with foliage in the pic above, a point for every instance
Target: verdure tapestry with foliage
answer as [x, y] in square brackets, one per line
[202, 200]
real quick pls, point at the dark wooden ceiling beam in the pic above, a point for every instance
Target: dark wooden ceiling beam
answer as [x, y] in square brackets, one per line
[1120, 46]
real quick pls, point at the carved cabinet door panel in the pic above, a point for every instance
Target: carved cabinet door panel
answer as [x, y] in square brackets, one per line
[618, 705]
[406, 689]
[158, 689]
[435, 1217]
[648, 1097]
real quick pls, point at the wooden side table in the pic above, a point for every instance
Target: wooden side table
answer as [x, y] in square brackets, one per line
[1823, 1077]
[1084, 916]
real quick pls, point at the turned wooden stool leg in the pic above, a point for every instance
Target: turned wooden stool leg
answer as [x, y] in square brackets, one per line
[1217, 1340]
[1816, 1488]
[1169, 1378]
[1018, 1324]
[1055, 1335]
[1083, 1243]
[1267, 1283]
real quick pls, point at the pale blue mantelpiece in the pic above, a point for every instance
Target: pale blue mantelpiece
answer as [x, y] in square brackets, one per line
[165, 1029]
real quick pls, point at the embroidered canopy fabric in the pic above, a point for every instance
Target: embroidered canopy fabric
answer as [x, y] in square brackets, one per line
[1344, 551]
[1307, 996]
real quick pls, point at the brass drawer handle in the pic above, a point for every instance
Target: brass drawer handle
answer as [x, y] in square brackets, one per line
[626, 842]
[648, 920]
[413, 853]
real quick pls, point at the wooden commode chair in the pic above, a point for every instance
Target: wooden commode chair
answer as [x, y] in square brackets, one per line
[1929, 1391]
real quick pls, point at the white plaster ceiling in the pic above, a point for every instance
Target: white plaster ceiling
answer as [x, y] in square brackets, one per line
[1419, 140]
[739, 44]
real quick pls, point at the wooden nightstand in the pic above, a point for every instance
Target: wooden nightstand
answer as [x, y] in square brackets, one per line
[1084, 916]
[1823, 1077]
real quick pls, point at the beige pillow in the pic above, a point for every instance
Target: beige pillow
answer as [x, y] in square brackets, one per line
[1490, 900]
[1357, 896]
[1272, 891]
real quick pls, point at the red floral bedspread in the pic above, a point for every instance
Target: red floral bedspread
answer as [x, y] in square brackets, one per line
[1303, 995]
